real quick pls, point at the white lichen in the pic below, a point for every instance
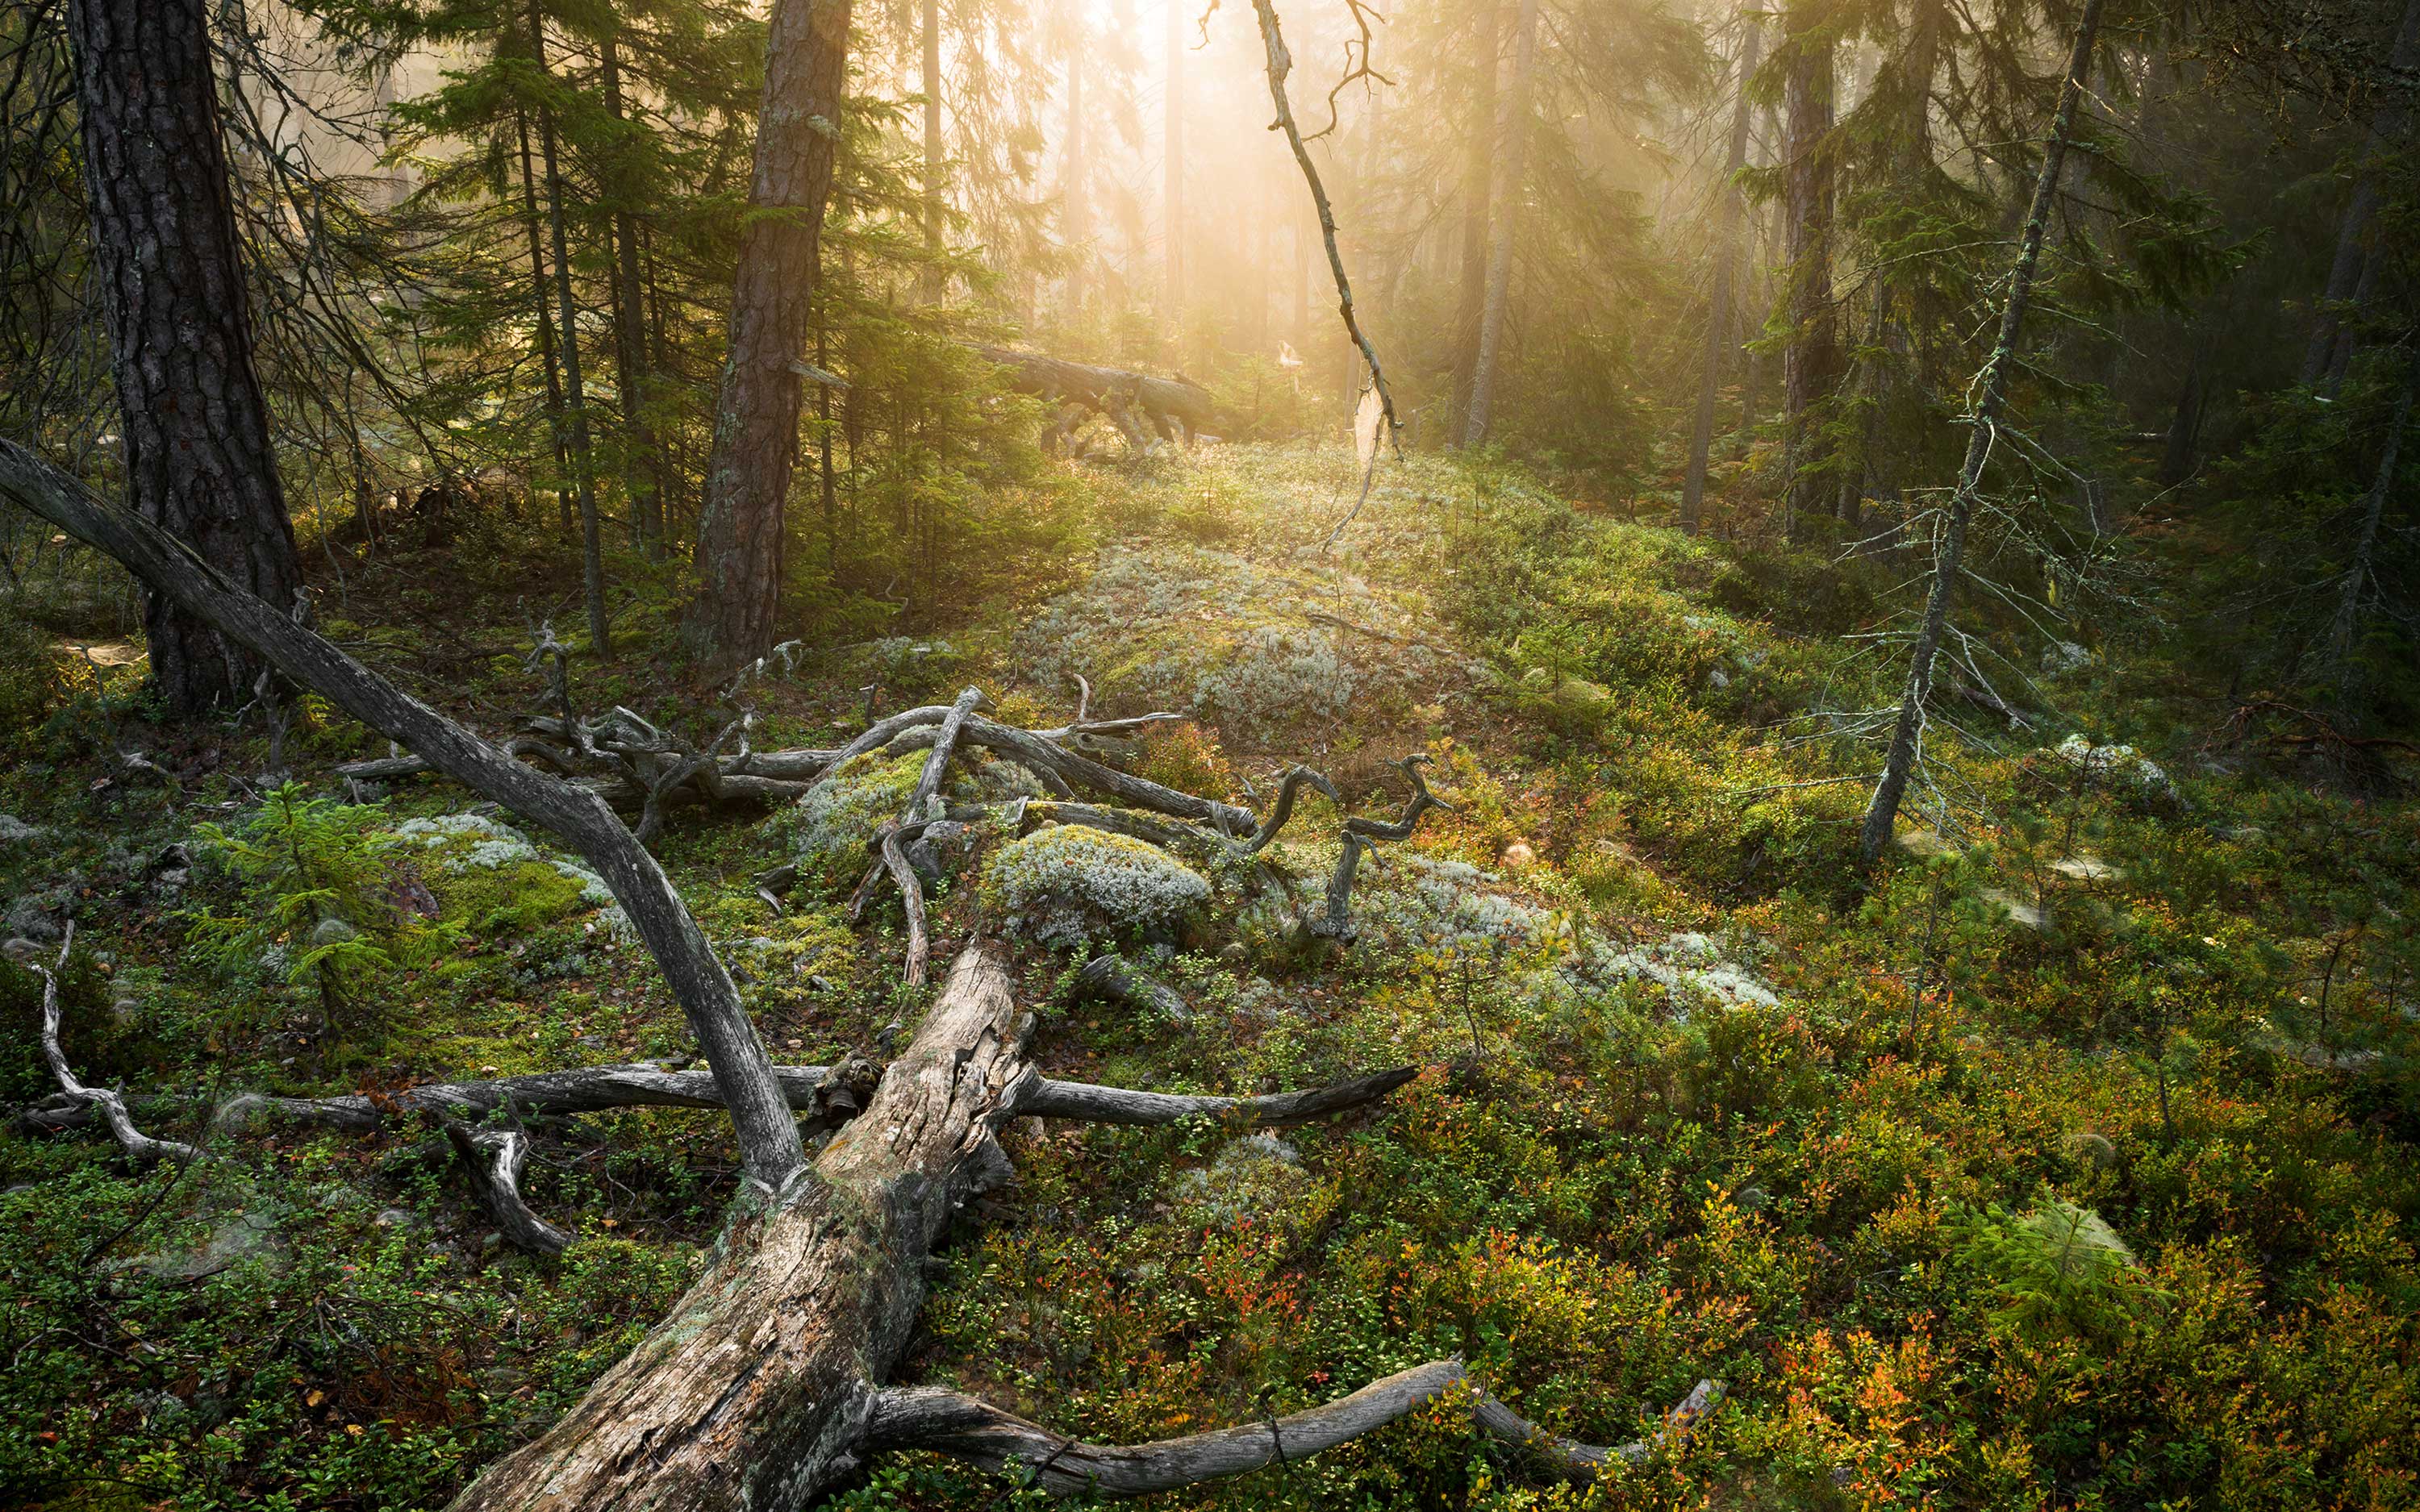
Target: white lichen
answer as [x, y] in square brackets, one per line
[1070, 883]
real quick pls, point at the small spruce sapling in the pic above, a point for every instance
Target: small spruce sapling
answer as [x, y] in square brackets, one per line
[326, 915]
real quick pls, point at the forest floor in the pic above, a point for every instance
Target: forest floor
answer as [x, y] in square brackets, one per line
[2058, 1164]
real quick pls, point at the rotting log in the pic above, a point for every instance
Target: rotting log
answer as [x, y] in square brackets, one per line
[1175, 407]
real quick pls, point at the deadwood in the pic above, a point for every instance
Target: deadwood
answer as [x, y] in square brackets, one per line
[1174, 405]
[965, 1428]
[140, 1148]
[1045, 1099]
[770, 1149]
[826, 1095]
[493, 1159]
[1360, 835]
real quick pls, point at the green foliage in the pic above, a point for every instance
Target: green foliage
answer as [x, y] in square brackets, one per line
[323, 901]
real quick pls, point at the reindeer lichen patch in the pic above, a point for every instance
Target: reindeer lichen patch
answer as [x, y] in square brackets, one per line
[1254, 649]
[1071, 883]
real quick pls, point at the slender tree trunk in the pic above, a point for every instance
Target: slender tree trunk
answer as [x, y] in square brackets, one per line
[534, 227]
[1810, 353]
[1478, 184]
[1172, 174]
[1907, 736]
[583, 456]
[1512, 130]
[646, 481]
[929, 71]
[1718, 308]
[168, 263]
[1073, 212]
[2359, 574]
[756, 416]
[2332, 339]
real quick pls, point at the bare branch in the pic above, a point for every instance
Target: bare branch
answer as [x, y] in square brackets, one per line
[1082, 1100]
[951, 1423]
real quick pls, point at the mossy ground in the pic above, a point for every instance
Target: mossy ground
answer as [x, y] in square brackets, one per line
[1597, 1193]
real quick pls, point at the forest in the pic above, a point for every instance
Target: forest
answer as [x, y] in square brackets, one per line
[1324, 754]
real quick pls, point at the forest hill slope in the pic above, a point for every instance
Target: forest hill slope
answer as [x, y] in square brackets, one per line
[1955, 1206]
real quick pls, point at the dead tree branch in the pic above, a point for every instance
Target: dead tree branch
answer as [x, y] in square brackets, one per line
[140, 1148]
[964, 1428]
[493, 1159]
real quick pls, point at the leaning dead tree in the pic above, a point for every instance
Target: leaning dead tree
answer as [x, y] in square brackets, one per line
[768, 1385]
[1175, 408]
[1992, 401]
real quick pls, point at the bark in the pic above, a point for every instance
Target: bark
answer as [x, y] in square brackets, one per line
[1811, 354]
[167, 260]
[1718, 308]
[1478, 183]
[2332, 337]
[1906, 745]
[756, 414]
[770, 1149]
[583, 457]
[645, 482]
[1513, 138]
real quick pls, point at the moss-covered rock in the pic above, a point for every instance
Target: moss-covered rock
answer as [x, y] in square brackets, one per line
[827, 830]
[1071, 883]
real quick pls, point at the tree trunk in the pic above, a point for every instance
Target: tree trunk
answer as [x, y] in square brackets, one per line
[1907, 735]
[1173, 174]
[1512, 132]
[531, 224]
[2332, 339]
[929, 72]
[2357, 576]
[1810, 352]
[645, 483]
[756, 416]
[168, 263]
[1478, 183]
[1075, 225]
[1718, 308]
[583, 456]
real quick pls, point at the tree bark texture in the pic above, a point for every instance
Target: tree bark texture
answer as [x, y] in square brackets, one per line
[168, 258]
[1512, 139]
[1810, 353]
[1718, 307]
[756, 415]
[1906, 745]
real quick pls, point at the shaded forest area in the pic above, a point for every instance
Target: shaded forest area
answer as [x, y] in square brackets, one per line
[1434, 754]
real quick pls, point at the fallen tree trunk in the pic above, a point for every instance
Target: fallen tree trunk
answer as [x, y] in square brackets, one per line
[1175, 407]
